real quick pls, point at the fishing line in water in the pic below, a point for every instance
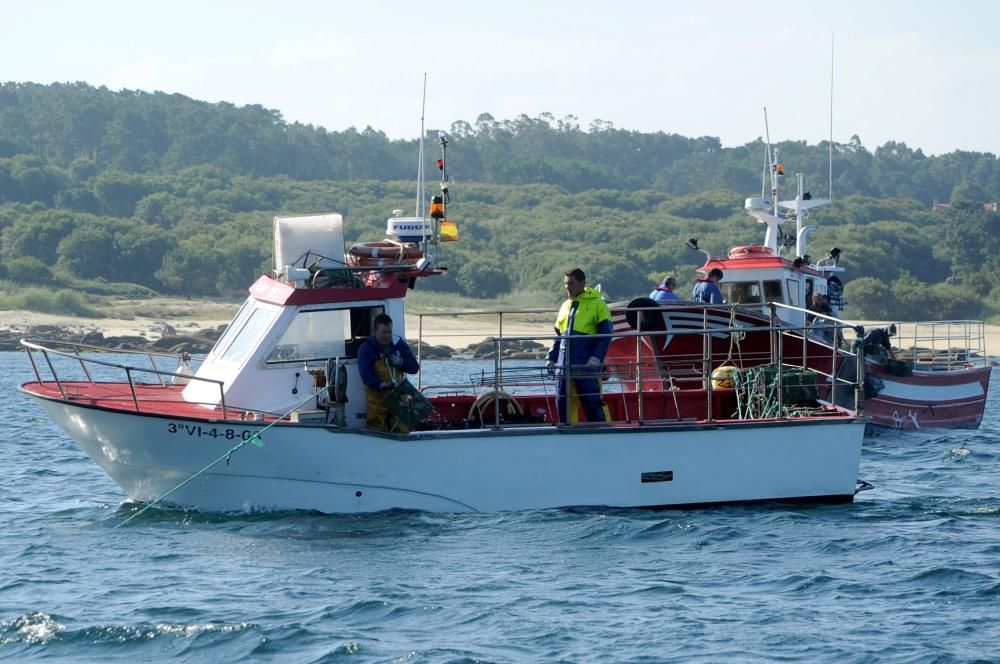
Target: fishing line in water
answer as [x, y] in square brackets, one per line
[255, 440]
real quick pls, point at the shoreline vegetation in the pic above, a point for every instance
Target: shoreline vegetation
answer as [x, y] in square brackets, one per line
[182, 193]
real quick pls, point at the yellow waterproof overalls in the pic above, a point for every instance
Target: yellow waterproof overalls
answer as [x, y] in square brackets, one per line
[378, 417]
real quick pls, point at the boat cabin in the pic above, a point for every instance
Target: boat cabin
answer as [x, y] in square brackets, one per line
[754, 274]
[289, 330]
[759, 273]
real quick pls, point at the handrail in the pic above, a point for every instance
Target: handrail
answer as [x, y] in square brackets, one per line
[628, 405]
[32, 346]
[499, 381]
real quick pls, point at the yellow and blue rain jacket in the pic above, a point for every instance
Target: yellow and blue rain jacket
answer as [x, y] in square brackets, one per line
[578, 319]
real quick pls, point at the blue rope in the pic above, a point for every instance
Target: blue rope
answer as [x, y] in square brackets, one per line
[254, 439]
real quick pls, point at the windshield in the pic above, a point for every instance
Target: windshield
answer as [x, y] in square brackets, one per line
[324, 333]
[741, 292]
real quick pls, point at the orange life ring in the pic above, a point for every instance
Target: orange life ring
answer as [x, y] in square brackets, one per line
[750, 250]
[385, 249]
[356, 261]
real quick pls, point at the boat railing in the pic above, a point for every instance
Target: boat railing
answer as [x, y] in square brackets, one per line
[637, 378]
[942, 345]
[74, 352]
[499, 314]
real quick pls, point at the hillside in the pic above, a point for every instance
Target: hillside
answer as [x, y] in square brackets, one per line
[133, 193]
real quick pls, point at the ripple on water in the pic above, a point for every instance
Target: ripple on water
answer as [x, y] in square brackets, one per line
[905, 573]
[31, 629]
[37, 630]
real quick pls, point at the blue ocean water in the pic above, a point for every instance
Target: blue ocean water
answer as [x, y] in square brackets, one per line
[910, 572]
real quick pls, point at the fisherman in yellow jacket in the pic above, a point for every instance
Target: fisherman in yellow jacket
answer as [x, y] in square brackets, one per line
[383, 361]
[577, 356]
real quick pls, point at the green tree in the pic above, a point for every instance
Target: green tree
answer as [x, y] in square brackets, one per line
[84, 252]
[484, 277]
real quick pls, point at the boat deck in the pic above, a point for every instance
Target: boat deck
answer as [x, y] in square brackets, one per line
[455, 411]
[150, 399]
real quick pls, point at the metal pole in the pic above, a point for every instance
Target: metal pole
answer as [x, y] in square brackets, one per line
[156, 370]
[420, 346]
[638, 370]
[62, 392]
[780, 343]
[222, 398]
[83, 365]
[833, 366]
[500, 332]
[496, 383]
[859, 376]
[131, 387]
[706, 346]
[31, 358]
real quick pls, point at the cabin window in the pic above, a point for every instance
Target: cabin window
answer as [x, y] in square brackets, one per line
[793, 292]
[319, 334]
[772, 291]
[233, 328]
[246, 335]
[741, 292]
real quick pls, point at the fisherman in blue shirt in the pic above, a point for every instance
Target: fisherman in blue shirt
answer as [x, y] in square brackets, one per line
[707, 290]
[383, 362]
[665, 292]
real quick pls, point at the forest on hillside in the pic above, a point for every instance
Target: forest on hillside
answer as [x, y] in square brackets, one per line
[132, 192]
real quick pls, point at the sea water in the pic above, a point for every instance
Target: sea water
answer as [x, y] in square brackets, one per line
[910, 572]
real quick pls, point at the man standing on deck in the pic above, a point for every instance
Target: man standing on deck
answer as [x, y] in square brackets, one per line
[578, 356]
[707, 290]
[382, 361]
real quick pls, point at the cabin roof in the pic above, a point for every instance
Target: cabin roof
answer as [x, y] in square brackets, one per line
[728, 265]
[267, 289]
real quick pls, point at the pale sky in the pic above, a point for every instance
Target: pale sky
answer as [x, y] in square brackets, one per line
[923, 72]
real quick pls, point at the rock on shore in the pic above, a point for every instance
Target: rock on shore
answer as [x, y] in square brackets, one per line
[194, 341]
[165, 338]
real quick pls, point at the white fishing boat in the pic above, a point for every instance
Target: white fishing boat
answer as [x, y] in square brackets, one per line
[274, 417]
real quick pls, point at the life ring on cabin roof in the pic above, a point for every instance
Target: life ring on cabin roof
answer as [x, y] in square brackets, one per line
[750, 250]
[385, 249]
[383, 254]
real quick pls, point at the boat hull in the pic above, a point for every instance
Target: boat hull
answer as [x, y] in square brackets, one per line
[343, 471]
[954, 399]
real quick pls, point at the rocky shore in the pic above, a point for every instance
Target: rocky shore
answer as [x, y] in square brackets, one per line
[165, 338]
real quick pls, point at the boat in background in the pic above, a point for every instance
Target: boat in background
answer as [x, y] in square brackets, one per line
[280, 400]
[939, 376]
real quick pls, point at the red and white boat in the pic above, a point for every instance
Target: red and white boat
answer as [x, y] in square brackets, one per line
[185, 440]
[941, 373]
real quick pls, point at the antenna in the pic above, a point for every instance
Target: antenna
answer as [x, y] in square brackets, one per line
[763, 176]
[420, 210]
[767, 136]
[772, 166]
[831, 118]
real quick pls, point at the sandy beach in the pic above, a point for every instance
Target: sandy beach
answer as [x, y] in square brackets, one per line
[456, 331]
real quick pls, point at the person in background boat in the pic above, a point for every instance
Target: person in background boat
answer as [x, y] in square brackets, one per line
[821, 305]
[707, 290]
[820, 326]
[665, 291]
[876, 341]
[577, 357]
[382, 362]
